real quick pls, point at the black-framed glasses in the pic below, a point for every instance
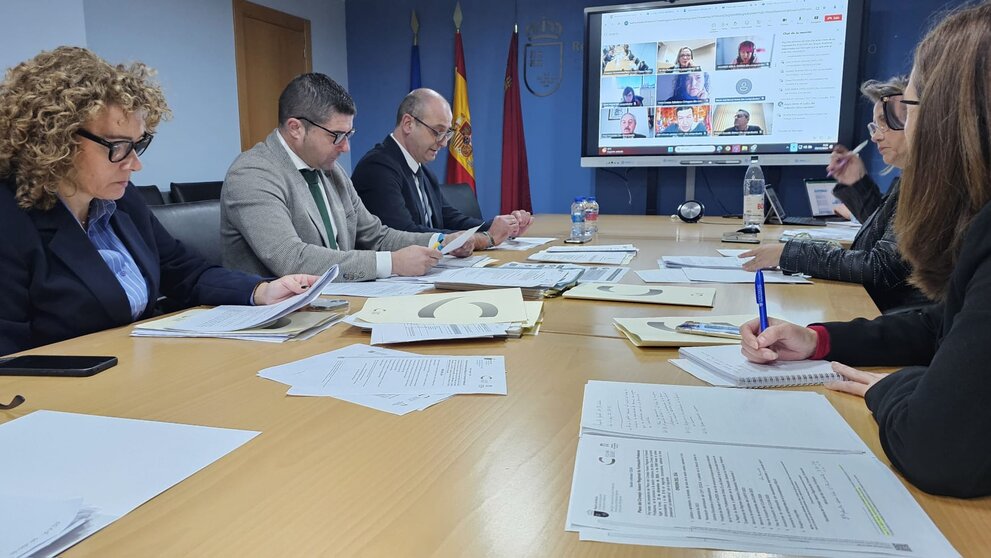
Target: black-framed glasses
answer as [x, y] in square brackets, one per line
[120, 149]
[439, 136]
[895, 112]
[339, 137]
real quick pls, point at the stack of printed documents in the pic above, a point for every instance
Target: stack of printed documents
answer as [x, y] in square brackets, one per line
[522, 243]
[469, 315]
[711, 269]
[608, 254]
[840, 232]
[590, 273]
[748, 471]
[392, 381]
[660, 332]
[535, 284]
[451, 262]
[272, 323]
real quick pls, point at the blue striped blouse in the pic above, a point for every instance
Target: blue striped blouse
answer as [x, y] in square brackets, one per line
[113, 252]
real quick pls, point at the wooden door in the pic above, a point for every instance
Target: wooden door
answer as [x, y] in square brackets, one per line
[272, 48]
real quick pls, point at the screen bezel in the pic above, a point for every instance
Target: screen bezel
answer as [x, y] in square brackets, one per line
[589, 149]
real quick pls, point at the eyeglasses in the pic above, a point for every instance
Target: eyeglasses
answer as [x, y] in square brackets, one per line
[120, 149]
[339, 137]
[895, 111]
[873, 129]
[439, 136]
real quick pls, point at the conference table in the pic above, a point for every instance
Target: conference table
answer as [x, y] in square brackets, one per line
[471, 476]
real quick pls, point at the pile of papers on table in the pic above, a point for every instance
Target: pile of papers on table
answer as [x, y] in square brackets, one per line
[445, 316]
[840, 232]
[660, 332]
[534, 284]
[608, 254]
[274, 323]
[711, 269]
[392, 381]
[522, 243]
[745, 470]
[589, 273]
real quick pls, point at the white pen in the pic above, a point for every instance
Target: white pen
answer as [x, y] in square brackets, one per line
[856, 150]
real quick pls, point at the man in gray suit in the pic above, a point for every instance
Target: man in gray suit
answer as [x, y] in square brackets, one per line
[287, 205]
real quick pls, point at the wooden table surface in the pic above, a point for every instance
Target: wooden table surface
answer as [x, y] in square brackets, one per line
[472, 476]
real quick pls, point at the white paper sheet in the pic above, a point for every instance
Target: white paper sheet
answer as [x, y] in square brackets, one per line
[701, 275]
[372, 289]
[737, 497]
[451, 262]
[608, 258]
[731, 253]
[232, 318]
[459, 241]
[594, 248]
[522, 243]
[410, 333]
[666, 275]
[590, 274]
[708, 262]
[441, 375]
[113, 464]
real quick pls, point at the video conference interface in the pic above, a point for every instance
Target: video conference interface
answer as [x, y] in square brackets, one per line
[722, 78]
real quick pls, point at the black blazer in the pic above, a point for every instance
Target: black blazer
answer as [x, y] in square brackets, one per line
[54, 285]
[385, 183]
[934, 416]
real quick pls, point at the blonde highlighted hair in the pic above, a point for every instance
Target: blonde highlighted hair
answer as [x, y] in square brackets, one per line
[46, 100]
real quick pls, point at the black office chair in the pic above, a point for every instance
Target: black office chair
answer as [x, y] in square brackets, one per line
[195, 224]
[151, 194]
[184, 192]
[462, 197]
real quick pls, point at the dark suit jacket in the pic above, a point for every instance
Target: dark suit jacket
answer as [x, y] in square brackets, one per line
[385, 183]
[933, 417]
[54, 285]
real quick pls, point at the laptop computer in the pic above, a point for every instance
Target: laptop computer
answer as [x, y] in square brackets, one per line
[822, 202]
[776, 213]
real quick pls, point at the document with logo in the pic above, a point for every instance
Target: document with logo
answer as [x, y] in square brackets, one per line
[685, 296]
[699, 467]
[660, 332]
[471, 307]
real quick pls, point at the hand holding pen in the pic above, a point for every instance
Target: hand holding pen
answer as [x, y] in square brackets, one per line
[761, 299]
[845, 166]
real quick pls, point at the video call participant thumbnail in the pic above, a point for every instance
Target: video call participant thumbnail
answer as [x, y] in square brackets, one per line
[742, 126]
[683, 121]
[686, 56]
[691, 88]
[737, 53]
[628, 126]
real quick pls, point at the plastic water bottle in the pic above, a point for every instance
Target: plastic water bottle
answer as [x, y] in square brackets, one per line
[591, 216]
[753, 195]
[578, 219]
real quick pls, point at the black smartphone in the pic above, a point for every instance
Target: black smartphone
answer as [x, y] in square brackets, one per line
[55, 365]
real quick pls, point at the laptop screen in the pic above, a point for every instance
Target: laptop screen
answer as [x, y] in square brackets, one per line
[821, 198]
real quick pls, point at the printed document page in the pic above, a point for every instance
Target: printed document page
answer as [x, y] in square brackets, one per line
[686, 296]
[235, 317]
[590, 274]
[594, 248]
[789, 419]
[373, 289]
[737, 497]
[709, 262]
[410, 333]
[412, 375]
[459, 241]
[608, 258]
[660, 332]
[708, 275]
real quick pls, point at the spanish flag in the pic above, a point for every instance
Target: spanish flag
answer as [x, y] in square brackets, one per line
[461, 162]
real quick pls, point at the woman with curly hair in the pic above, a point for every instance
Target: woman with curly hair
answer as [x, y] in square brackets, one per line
[81, 252]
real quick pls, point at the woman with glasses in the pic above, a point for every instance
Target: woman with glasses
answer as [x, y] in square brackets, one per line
[934, 415]
[873, 258]
[81, 252]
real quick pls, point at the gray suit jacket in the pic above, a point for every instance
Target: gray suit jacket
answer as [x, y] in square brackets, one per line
[270, 225]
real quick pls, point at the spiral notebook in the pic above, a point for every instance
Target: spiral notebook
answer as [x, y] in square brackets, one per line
[724, 365]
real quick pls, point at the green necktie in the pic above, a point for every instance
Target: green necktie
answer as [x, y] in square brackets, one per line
[313, 180]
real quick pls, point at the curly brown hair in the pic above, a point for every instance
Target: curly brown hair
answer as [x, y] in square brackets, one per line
[45, 100]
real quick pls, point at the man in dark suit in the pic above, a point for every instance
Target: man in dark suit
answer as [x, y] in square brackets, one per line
[395, 185]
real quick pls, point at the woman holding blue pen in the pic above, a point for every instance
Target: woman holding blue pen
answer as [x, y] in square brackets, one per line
[933, 416]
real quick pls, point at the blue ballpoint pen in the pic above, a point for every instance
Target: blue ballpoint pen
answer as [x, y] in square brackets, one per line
[761, 300]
